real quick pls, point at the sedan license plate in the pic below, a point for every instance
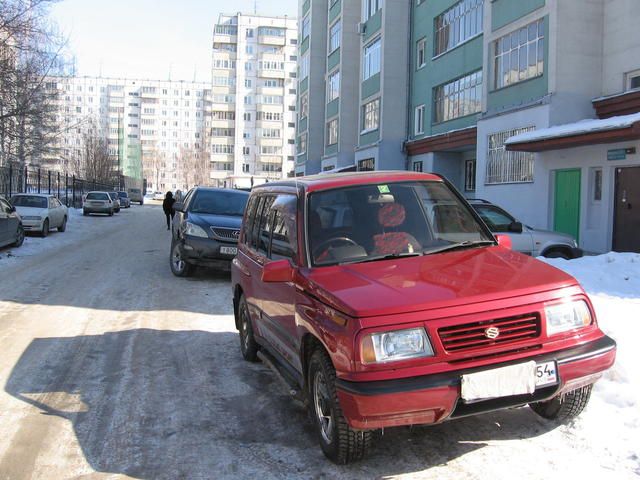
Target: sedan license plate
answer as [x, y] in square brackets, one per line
[520, 379]
[229, 250]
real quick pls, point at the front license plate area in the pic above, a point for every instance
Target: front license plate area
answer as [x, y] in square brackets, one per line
[520, 379]
[229, 250]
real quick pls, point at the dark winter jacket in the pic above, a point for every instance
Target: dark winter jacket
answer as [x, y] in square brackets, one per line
[167, 204]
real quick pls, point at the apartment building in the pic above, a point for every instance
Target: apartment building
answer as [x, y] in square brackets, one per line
[353, 85]
[153, 129]
[253, 99]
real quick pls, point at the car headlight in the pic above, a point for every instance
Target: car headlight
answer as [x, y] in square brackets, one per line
[195, 230]
[396, 345]
[563, 317]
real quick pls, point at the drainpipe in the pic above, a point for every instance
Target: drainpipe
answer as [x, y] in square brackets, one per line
[409, 85]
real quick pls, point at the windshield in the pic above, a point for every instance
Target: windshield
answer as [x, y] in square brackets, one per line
[97, 196]
[29, 201]
[371, 222]
[231, 203]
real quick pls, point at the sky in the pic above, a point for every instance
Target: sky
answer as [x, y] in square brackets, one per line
[151, 39]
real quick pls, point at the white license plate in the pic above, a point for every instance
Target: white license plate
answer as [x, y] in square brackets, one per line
[229, 250]
[518, 379]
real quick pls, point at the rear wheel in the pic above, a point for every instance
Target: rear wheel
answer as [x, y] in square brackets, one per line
[19, 237]
[339, 442]
[45, 228]
[179, 266]
[63, 227]
[248, 345]
[564, 407]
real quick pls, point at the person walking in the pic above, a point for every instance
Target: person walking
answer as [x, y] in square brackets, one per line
[167, 206]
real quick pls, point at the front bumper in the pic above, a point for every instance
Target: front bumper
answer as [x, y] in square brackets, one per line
[98, 209]
[436, 398]
[206, 252]
[32, 225]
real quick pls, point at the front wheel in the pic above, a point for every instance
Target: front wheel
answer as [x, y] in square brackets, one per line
[179, 266]
[45, 228]
[564, 407]
[248, 345]
[340, 443]
[19, 237]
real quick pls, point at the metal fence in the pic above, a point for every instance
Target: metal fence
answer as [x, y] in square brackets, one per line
[68, 188]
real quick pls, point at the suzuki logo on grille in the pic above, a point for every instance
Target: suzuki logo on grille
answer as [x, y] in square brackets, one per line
[492, 333]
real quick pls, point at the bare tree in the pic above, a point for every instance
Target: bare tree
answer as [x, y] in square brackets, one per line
[194, 165]
[153, 162]
[30, 50]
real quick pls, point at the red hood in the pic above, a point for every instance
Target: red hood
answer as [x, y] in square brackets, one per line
[434, 281]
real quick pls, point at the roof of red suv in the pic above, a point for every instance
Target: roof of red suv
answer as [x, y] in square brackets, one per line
[334, 180]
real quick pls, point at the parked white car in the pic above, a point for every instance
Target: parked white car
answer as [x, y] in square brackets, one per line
[40, 212]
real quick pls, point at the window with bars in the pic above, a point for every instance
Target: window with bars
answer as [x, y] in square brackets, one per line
[457, 25]
[504, 166]
[458, 98]
[371, 115]
[519, 56]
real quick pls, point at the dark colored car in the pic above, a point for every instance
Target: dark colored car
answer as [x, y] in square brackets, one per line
[205, 229]
[116, 201]
[11, 229]
[382, 299]
[124, 200]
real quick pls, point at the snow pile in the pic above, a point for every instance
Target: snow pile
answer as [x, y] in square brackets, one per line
[577, 128]
[613, 284]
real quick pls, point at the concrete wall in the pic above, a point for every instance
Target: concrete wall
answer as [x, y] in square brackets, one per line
[621, 43]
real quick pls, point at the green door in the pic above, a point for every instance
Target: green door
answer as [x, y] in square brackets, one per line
[567, 202]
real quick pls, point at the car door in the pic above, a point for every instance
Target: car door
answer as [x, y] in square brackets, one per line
[277, 241]
[5, 212]
[499, 221]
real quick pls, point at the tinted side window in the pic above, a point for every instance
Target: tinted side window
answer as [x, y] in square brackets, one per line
[255, 225]
[248, 220]
[265, 226]
[496, 220]
[284, 233]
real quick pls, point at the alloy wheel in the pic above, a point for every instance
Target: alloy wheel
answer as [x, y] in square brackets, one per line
[322, 404]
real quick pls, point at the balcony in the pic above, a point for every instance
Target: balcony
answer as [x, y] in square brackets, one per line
[280, 41]
[267, 107]
[266, 73]
[268, 124]
[223, 123]
[270, 90]
[229, 37]
[271, 159]
[270, 142]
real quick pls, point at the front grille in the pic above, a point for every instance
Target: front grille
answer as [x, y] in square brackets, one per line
[226, 233]
[473, 336]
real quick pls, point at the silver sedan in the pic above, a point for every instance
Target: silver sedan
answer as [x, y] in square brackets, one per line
[40, 212]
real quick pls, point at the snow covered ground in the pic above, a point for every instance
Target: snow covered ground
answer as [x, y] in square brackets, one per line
[613, 283]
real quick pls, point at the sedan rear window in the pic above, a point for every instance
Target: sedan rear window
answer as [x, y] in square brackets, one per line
[97, 196]
[31, 201]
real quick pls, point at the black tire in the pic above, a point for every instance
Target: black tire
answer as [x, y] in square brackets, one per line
[248, 345]
[85, 213]
[179, 266]
[45, 227]
[63, 227]
[557, 254]
[564, 407]
[19, 237]
[340, 443]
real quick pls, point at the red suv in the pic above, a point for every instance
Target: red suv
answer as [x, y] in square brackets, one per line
[383, 300]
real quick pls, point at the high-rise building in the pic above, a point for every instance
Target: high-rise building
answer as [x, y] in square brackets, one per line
[252, 99]
[152, 129]
[353, 85]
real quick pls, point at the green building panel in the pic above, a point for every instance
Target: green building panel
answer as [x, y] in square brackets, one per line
[371, 86]
[373, 26]
[304, 46]
[304, 85]
[332, 108]
[335, 10]
[503, 12]
[369, 138]
[305, 7]
[302, 125]
[524, 91]
[333, 60]
[301, 159]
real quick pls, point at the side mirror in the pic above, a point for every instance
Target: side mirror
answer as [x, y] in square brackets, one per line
[178, 206]
[504, 241]
[515, 227]
[277, 271]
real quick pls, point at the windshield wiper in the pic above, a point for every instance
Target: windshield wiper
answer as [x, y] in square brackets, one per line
[460, 245]
[381, 257]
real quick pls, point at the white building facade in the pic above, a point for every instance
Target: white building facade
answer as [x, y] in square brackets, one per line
[253, 98]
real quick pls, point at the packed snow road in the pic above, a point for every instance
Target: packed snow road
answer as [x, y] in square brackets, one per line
[110, 367]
